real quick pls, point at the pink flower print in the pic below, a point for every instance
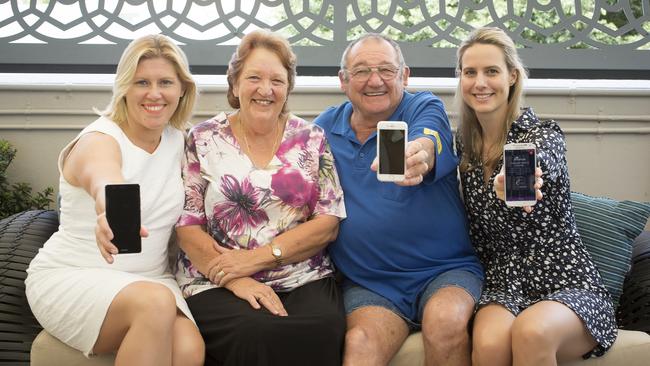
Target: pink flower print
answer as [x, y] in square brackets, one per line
[298, 140]
[293, 189]
[243, 206]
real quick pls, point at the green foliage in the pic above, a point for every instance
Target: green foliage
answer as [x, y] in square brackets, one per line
[547, 20]
[18, 197]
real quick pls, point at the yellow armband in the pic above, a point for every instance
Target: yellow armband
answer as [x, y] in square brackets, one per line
[435, 134]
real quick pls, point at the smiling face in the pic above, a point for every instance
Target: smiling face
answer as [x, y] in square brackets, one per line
[153, 95]
[376, 98]
[485, 81]
[262, 86]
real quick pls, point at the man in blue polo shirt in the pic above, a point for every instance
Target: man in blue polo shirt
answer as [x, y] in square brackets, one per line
[404, 249]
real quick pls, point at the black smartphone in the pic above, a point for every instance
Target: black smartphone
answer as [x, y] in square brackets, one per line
[123, 215]
[520, 161]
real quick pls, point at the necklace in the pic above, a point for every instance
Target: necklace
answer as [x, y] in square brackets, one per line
[276, 142]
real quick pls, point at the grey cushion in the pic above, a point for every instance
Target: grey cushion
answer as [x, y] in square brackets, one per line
[608, 228]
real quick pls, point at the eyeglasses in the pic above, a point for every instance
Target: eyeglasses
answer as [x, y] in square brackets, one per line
[362, 73]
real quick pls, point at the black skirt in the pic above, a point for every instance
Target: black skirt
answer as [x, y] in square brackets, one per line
[236, 334]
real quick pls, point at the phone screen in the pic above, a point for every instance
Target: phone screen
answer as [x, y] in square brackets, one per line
[391, 151]
[520, 174]
[123, 215]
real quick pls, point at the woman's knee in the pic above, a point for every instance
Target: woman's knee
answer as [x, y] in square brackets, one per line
[147, 300]
[529, 334]
[189, 348]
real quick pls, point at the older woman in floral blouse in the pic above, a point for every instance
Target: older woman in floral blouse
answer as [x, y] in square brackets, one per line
[262, 201]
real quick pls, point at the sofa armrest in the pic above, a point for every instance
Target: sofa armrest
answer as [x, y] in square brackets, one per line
[634, 308]
[21, 236]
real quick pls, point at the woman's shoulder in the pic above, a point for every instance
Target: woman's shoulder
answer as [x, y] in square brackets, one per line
[530, 124]
[104, 125]
[101, 132]
[298, 123]
[216, 122]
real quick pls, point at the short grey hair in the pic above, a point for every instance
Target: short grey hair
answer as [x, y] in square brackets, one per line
[375, 36]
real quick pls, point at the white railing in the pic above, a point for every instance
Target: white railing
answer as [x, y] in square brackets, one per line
[607, 122]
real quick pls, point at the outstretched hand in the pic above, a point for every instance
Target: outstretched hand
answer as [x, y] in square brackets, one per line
[104, 235]
[499, 187]
[419, 161]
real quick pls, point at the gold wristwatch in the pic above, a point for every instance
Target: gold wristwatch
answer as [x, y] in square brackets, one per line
[277, 254]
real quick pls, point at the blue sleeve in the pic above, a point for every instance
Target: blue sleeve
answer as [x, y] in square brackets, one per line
[325, 119]
[426, 117]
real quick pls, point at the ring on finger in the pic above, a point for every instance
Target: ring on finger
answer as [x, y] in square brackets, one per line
[221, 273]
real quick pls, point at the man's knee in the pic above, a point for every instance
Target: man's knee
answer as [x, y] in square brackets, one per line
[359, 339]
[446, 321]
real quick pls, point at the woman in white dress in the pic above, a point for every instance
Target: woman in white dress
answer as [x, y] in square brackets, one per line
[79, 288]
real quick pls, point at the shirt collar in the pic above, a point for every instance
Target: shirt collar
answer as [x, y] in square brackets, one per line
[342, 125]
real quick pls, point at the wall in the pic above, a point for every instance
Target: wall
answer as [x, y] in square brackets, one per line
[607, 123]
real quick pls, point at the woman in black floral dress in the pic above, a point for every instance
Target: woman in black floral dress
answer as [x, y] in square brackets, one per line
[544, 300]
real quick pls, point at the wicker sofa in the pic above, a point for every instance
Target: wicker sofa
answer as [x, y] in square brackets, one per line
[23, 234]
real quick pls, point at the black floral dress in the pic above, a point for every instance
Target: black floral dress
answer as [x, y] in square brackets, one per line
[538, 256]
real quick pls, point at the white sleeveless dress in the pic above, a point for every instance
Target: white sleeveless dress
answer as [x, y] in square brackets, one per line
[69, 284]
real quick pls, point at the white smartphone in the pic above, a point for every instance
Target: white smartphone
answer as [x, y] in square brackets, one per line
[519, 160]
[392, 137]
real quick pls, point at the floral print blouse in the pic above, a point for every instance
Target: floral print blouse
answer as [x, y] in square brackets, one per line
[245, 207]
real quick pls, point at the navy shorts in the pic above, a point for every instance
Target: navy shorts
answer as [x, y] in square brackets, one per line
[355, 296]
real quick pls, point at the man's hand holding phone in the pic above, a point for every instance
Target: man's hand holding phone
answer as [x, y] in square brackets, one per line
[420, 159]
[398, 160]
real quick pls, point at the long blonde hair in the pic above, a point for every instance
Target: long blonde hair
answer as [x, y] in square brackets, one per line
[471, 133]
[150, 47]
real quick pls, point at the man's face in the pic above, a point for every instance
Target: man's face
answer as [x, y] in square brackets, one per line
[374, 93]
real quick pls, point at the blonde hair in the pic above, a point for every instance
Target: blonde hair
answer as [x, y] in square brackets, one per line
[150, 47]
[271, 42]
[470, 130]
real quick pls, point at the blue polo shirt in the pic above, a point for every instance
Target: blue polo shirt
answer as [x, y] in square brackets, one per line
[396, 239]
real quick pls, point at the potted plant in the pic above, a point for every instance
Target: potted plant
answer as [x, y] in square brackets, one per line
[18, 197]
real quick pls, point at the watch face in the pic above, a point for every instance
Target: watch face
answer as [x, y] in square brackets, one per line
[277, 252]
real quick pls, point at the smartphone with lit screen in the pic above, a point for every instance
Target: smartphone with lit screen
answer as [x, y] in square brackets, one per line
[519, 163]
[392, 137]
[123, 215]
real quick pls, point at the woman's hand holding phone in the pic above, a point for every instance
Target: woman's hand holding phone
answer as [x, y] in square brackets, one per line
[104, 235]
[499, 187]
[119, 206]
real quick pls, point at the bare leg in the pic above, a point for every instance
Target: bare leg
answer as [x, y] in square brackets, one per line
[444, 327]
[374, 335]
[546, 332]
[491, 338]
[188, 347]
[138, 325]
